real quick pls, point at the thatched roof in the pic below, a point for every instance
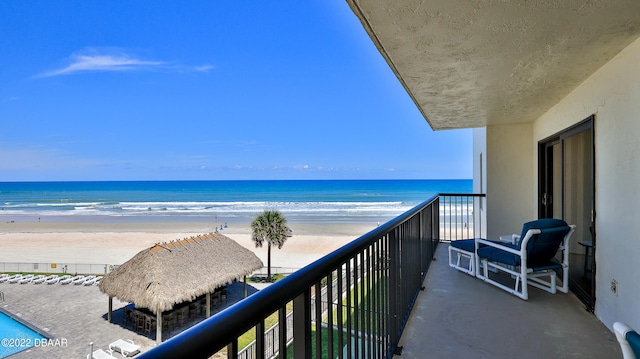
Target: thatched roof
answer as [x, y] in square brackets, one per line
[170, 273]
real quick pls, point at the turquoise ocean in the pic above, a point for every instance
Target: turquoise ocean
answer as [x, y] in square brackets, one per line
[310, 201]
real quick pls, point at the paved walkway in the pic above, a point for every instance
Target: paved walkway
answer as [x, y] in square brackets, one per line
[77, 315]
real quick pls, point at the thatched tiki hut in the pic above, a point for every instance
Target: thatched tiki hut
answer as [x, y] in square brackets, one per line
[167, 274]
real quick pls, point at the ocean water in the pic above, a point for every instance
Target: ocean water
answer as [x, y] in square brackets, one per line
[299, 200]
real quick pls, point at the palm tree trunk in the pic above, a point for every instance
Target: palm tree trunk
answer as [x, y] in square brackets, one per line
[269, 263]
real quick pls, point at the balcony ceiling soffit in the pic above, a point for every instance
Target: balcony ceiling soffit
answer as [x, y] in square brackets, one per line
[487, 62]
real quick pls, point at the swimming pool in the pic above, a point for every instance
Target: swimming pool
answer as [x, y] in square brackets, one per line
[15, 336]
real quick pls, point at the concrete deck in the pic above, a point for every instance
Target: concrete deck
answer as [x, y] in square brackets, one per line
[459, 316]
[73, 316]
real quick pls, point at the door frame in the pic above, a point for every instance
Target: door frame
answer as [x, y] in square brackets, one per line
[544, 178]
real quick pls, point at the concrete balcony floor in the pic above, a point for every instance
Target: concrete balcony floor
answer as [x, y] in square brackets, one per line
[459, 316]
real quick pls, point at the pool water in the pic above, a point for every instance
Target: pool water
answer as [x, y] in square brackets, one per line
[15, 336]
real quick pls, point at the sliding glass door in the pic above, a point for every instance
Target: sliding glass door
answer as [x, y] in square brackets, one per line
[567, 191]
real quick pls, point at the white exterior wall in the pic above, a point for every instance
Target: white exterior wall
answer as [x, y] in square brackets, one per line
[613, 95]
[510, 179]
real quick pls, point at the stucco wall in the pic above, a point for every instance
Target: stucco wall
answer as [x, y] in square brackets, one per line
[510, 178]
[613, 95]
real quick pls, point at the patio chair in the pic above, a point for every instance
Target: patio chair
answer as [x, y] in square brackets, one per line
[14, 278]
[39, 279]
[462, 253]
[101, 354]
[628, 339]
[52, 279]
[26, 279]
[529, 260]
[126, 347]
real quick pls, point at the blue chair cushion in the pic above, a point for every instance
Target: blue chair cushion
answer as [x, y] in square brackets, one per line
[542, 224]
[464, 244]
[468, 244]
[634, 342]
[544, 246]
[498, 255]
[541, 248]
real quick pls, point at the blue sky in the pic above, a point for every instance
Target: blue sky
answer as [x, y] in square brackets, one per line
[206, 90]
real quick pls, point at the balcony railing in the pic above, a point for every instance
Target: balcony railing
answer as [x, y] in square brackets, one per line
[353, 303]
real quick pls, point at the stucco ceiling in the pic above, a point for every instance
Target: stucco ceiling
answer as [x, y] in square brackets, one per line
[473, 63]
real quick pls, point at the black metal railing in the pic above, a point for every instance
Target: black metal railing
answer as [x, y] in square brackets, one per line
[460, 216]
[353, 302]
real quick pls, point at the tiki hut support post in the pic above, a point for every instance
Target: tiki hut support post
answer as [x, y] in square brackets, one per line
[110, 315]
[245, 286]
[208, 310]
[159, 326]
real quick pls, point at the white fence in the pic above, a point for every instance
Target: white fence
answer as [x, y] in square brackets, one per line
[56, 268]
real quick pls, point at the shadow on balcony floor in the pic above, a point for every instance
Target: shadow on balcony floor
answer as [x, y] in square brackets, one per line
[458, 316]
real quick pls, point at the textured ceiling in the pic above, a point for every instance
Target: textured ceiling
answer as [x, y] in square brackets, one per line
[472, 63]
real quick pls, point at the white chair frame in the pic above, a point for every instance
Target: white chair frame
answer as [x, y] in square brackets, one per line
[621, 330]
[461, 256]
[457, 256]
[523, 275]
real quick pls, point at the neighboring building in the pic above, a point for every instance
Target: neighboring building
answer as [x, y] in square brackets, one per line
[552, 89]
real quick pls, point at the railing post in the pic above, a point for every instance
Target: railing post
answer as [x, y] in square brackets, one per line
[394, 283]
[260, 340]
[282, 333]
[232, 350]
[302, 325]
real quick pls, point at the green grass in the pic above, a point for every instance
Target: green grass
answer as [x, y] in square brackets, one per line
[325, 349]
[246, 338]
[357, 301]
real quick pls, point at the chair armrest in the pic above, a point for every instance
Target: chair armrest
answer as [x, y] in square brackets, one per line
[621, 330]
[496, 245]
[510, 238]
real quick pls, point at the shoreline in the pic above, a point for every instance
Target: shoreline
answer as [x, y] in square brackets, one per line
[115, 243]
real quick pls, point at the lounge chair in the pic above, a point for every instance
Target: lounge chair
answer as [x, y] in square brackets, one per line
[83, 280]
[92, 281]
[52, 279]
[125, 347]
[26, 279]
[462, 253]
[79, 279]
[39, 279]
[4, 277]
[628, 339]
[529, 260]
[14, 278]
[66, 279]
[101, 354]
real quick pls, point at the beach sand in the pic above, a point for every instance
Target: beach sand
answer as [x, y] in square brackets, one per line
[115, 243]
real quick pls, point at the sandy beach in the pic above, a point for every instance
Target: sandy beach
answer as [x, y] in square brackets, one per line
[115, 243]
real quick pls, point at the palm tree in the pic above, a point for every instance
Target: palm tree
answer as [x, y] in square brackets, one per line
[270, 226]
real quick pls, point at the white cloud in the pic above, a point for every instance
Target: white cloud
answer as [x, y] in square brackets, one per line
[203, 68]
[115, 60]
